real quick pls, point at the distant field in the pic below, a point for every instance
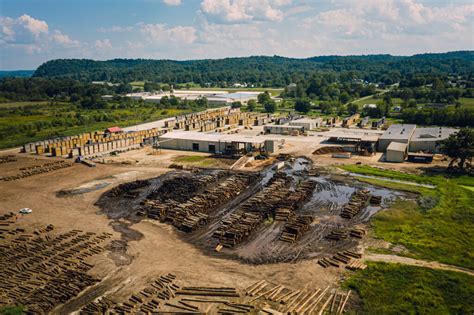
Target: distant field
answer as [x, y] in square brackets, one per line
[467, 102]
[21, 104]
[272, 91]
[137, 84]
[43, 121]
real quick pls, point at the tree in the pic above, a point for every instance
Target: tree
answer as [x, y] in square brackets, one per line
[459, 146]
[236, 104]
[326, 108]
[202, 102]
[302, 105]
[270, 106]
[352, 108]
[251, 105]
[264, 97]
[344, 97]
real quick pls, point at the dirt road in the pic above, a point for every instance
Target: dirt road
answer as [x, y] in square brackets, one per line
[415, 262]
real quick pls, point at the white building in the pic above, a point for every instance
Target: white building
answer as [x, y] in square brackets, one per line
[307, 123]
[428, 139]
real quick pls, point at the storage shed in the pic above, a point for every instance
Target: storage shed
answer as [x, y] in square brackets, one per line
[396, 152]
[307, 123]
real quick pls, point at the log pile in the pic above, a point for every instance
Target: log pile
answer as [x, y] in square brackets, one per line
[356, 204]
[7, 159]
[284, 214]
[209, 291]
[301, 301]
[357, 232]
[250, 214]
[344, 257]
[356, 265]
[127, 188]
[41, 270]
[194, 213]
[337, 235]
[295, 227]
[375, 200]
[147, 301]
[181, 188]
[38, 169]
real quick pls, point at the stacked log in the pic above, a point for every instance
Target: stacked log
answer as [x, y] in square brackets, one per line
[262, 205]
[356, 265]
[284, 214]
[344, 257]
[356, 204]
[7, 159]
[375, 200]
[357, 232]
[127, 188]
[295, 228]
[337, 235]
[38, 169]
[209, 291]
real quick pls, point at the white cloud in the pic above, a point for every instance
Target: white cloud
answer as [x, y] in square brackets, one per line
[172, 2]
[160, 33]
[64, 40]
[103, 44]
[238, 11]
[115, 29]
[36, 27]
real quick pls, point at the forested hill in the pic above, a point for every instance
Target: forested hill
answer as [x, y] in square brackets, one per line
[258, 70]
[16, 73]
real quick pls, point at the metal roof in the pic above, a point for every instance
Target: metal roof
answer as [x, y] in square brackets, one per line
[397, 146]
[398, 131]
[211, 137]
[432, 133]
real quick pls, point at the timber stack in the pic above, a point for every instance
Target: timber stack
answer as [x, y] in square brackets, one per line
[7, 159]
[38, 169]
[295, 228]
[357, 203]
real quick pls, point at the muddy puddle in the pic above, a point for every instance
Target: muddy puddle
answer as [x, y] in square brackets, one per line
[263, 244]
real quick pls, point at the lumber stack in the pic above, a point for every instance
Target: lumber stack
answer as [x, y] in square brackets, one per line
[358, 202]
[284, 214]
[357, 232]
[337, 235]
[375, 200]
[344, 257]
[356, 265]
[209, 291]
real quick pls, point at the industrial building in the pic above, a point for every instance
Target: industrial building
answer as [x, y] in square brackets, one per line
[216, 143]
[396, 133]
[307, 123]
[428, 139]
[221, 98]
[283, 129]
[396, 152]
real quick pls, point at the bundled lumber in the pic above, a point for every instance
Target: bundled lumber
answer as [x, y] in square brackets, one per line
[38, 169]
[356, 204]
[295, 228]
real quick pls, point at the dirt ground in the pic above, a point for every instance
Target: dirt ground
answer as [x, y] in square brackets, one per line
[158, 250]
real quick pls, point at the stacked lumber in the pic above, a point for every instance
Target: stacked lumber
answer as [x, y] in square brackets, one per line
[356, 204]
[38, 169]
[295, 228]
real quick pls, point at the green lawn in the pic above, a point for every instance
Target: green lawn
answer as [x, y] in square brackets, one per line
[12, 310]
[467, 102]
[22, 104]
[444, 233]
[399, 289]
[197, 160]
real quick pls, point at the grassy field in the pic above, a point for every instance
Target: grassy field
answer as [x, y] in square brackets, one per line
[467, 102]
[442, 233]
[23, 104]
[12, 310]
[19, 126]
[272, 91]
[398, 289]
[200, 160]
[137, 85]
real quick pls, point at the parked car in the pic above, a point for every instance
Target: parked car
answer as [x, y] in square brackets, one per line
[25, 211]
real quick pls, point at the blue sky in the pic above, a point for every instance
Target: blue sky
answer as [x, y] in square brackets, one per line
[34, 31]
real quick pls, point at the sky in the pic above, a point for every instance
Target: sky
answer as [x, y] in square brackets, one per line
[35, 31]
